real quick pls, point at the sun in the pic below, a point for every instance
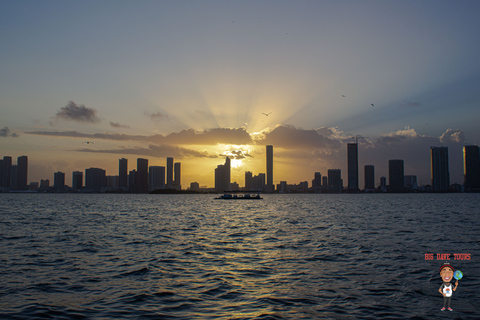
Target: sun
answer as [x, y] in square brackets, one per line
[236, 163]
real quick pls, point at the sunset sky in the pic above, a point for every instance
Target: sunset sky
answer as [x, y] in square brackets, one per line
[193, 80]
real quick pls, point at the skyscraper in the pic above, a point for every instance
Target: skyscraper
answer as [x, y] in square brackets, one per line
[6, 172]
[369, 177]
[22, 171]
[396, 176]
[317, 182]
[222, 176]
[156, 178]
[177, 183]
[471, 167]
[77, 180]
[248, 180]
[352, 157]
[59, 181]
[123, 173]
[440, 173]
[335, 180]
[142, 175]
[95, 179]
[169, 173]
[270, 187]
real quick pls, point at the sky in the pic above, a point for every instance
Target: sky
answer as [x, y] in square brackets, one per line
[202, 80]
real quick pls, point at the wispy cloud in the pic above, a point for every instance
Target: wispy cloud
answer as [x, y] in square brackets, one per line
[119, 125]
[158, 116]
[6, 133]
[74, 112]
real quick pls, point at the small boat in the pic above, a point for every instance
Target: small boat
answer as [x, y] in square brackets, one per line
[240, 195]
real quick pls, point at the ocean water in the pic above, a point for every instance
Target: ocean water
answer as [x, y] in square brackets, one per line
[315, 256]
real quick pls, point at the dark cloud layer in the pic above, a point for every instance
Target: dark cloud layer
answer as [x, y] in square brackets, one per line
[156, 151]
[185, 137]
[6, 133]
[74, 112]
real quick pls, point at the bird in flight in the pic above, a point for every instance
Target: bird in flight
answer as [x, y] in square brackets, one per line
[266, 113]
[343, 95]
[88, 142]
[372, 104]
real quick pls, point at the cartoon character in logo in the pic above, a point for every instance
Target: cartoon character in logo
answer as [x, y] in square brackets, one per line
[447, 288]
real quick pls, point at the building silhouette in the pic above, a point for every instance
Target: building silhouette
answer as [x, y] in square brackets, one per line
[396, 176]
[248, 180]
[471, 167]
[439, 172]
[177, 183]
[6, 171]
[123, 173]
[369, 177]
[77, 180]
[317, 183]
[169, 173]
[352, 158]
[335, 180]
[59, 181]
[222, 176]
[22, 173]
[142, 176]
[156, 178]
[270, 187]
[258, 182]
[95, 179]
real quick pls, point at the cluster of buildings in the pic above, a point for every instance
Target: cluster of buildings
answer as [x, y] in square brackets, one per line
[146, 178]
[333, 182]
[143, 179]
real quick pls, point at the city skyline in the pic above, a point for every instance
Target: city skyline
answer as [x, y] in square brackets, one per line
[87, 83]
[147, 178]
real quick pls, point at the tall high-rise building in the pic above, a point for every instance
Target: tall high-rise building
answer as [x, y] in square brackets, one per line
[396, 176]
[248, 180]
[169, 173]
[270, 187]
[6, 172]
[156, 178]
[22, 172]
[123, 173]
[335, 180]
[132, 180]
[352, 157]
[177, 183]
[369, 177]
[142, 175]
[59, 181]
[222, 176]
[95, 179]
[77, 180]
[471, 167]
[317, 182]
[440, 173]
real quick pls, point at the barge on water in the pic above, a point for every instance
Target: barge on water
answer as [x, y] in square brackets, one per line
[240, 195]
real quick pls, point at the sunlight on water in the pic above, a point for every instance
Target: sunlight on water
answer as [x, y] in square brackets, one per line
[192, 257]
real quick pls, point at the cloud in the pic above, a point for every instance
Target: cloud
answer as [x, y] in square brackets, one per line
[73, 112]
[5, 133]
[451, 135]
[210, 137]
[236, 154]
[156, 116]
[289, 137]
[158, 151]
[216, 136]
[118, 125]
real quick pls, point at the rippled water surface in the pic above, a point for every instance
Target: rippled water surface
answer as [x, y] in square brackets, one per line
[75, 256]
